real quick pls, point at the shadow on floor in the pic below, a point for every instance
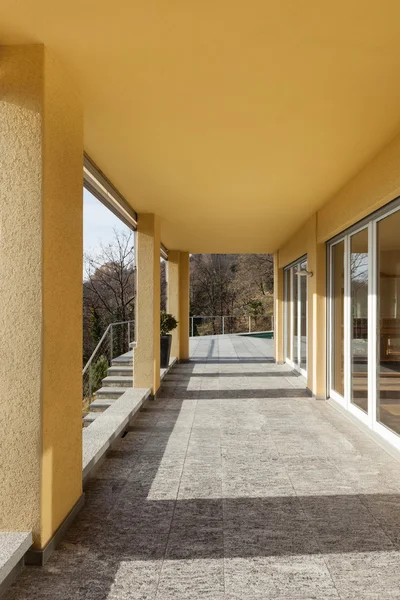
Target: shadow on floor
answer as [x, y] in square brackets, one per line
[136, 517]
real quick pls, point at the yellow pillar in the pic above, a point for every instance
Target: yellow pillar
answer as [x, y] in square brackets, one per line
[41, 150]
[278, 310]
[173, 298]
[146, 364]
[316, 348]
[184, 303]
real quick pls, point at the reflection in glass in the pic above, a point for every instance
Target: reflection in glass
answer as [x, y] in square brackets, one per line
[388, 399]
[359, 319]
[303, 318]
[338, 318]
[295, 316]
[288, 314]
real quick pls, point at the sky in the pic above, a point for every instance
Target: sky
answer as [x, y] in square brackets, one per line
[98, 223]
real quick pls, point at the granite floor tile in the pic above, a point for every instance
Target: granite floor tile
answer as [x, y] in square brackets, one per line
[303, 577]
[192, 541]
[233, 484]
[192, 579]
[135, 580]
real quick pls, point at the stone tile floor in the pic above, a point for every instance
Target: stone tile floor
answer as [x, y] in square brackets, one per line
[233, 485]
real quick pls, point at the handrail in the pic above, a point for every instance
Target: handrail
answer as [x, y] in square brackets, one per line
[110, 326]
[223, 317]
[231, 316]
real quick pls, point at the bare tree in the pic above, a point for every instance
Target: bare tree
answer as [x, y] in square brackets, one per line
[109, 287]
[163, 284]
[231, 284]
[255, 274]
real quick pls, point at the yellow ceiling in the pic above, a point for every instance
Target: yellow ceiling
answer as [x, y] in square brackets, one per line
[234, 120]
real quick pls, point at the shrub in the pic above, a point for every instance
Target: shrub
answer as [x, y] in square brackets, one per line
[99, 371]
[167, 323]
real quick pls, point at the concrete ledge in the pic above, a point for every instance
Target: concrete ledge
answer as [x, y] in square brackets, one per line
[13, 546]
[163, 372]
[98, 437]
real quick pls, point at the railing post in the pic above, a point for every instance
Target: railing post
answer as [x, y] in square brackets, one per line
[249, 323]
[223, 325]
[111, 343]
[90, 384]
[191, 326]
[129, 334]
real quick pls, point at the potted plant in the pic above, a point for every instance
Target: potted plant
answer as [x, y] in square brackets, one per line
[167, 323]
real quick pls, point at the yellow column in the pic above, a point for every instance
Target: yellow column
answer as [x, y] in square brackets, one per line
[146, 364]
[278, 310]
[173, 298]
[316, 359]
[41, 150]
[184, 303]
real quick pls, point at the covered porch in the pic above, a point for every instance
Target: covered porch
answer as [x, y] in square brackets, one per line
[234, 483]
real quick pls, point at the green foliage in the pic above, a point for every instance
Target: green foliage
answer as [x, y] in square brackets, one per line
[167, 323]
[255, 307]
[98, 371]
[95, 325]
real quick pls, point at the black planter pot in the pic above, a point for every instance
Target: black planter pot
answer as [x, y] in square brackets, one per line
[165, 344]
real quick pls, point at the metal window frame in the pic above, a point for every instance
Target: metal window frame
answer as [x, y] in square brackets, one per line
[330, 392]
[101, 187]
[370, 223]
[163, 252]
[290, 280]
[352, 407]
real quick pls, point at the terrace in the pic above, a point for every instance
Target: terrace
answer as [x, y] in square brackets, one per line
[233, 483]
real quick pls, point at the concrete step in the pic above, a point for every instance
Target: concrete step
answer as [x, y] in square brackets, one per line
[89, 418]
[121, 361]
[124, 371]
[110, 392]
[101, 404]
[117, 381]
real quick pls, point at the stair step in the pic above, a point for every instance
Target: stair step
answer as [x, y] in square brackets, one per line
[122, 370]
[101, 404]
[110, 392]
[122, 362]
[89, 418]
[118, 381]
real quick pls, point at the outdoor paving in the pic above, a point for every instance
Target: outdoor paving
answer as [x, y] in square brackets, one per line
[233, 484]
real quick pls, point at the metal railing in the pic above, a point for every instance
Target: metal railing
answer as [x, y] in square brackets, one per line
[114, 342]
[227, 324]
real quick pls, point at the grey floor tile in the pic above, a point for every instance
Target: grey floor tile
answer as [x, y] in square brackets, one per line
[303, 577]
[192, 579]
[135, 580]
[234, 484]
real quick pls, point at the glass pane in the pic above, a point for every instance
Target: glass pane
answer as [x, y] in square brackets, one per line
[295, 316]
[303, 318]
[388, 400]
[359, 319]
[337, 332]
[288, 314]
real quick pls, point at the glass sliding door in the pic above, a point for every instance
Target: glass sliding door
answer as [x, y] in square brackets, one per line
[364, 321]
[295, 343]
[388, 322]
[288, 314]
[337, 318]
[359, 319]
[303, 318]
[295, 323]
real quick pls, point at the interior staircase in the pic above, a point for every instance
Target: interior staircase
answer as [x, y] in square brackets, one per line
[119, 377]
